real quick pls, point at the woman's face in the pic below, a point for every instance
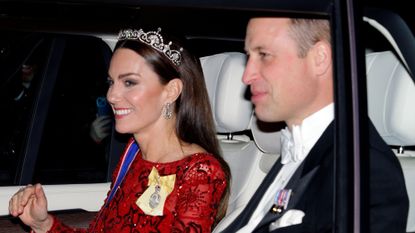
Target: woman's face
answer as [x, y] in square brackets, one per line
[135, 93]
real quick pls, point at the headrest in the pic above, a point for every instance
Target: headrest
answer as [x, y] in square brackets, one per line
[223, 75]
[267, 135]
[391, 97]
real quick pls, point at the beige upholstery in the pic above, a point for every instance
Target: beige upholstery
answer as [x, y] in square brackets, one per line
[408, 167]
[391, 95]
[267, 138]
[223, 76]
[232, 112]
[391, 98]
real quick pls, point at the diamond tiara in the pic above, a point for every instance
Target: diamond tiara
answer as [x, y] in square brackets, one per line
[155, 40]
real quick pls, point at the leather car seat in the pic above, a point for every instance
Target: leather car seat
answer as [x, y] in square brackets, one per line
[233, 115]
[391, 97]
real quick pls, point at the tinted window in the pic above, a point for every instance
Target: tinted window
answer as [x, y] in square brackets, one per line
[22, 61]
[67, 153]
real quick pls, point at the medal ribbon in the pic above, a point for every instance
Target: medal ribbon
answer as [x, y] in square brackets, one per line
[167, 182]
[282, 198]
[128, 158]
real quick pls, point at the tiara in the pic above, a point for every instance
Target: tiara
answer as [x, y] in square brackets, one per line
[155, 40]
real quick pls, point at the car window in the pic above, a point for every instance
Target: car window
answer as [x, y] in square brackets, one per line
[22, 62]
[66, 152]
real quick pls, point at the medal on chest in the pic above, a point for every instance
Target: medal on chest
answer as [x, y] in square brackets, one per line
[151, 202]
[281, 200]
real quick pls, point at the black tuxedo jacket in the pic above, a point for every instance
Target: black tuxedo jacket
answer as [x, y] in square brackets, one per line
[313, 186]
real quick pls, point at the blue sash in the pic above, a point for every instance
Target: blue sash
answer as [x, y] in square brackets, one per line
[128, 158]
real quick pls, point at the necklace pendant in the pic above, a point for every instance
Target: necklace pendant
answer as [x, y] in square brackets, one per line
[155, 197]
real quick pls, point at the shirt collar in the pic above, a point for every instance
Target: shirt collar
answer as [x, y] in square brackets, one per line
[314, 125]
[297, 142]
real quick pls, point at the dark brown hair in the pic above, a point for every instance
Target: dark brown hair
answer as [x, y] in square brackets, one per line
[194, 120]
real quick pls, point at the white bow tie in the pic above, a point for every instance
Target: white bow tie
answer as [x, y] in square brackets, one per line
[292, 148]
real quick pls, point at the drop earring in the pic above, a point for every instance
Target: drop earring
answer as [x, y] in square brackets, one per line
[167, 111]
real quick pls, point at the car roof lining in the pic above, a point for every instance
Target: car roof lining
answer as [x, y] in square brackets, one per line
[196, 18]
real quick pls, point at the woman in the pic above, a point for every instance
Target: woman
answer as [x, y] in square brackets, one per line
[171, 177]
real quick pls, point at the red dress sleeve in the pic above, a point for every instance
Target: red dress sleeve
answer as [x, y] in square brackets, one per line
[199, 196]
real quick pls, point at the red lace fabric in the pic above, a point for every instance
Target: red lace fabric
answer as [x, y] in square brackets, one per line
[190, 207]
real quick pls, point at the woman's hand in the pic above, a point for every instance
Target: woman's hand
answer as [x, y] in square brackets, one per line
[30, 205]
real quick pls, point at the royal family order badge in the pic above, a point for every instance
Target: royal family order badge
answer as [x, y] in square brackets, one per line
[153, 199]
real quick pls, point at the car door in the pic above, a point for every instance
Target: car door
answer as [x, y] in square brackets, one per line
[46, 133]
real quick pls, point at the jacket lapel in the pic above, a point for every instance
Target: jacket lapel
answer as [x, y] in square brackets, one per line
[299, 182]
[302, 176]
[298, 185]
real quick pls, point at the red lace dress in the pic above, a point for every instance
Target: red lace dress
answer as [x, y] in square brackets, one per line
[190, 207]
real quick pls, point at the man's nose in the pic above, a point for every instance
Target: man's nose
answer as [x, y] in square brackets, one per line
[250, 72]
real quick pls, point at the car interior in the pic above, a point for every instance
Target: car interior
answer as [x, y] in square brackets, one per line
[249, 145]
[251, 149]
[232, 114]
[391, 93]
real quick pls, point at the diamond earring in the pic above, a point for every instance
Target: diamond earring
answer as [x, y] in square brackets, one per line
[167, 111]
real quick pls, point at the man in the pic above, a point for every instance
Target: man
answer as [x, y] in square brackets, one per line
[290, 75]
[28, 72]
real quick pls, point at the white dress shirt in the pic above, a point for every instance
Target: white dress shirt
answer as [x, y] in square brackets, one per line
[302, 139]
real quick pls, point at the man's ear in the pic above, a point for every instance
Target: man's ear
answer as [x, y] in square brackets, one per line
[174, 89]
[322, 57]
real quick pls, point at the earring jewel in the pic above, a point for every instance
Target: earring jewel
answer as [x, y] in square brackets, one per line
[167, 111]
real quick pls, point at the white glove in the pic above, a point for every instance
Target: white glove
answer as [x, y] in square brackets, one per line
[100, 128]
